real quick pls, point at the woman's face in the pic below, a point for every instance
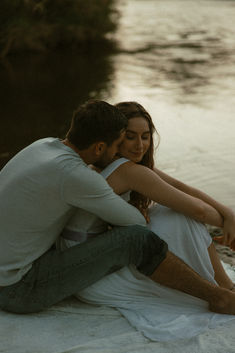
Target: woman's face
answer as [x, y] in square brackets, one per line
[137, 139]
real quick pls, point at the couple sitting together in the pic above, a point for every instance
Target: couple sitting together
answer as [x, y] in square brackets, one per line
[146, 253]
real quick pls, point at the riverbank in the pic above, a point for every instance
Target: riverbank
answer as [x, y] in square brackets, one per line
[46, 25]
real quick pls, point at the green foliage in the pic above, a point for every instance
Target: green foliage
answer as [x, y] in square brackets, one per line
[40, 25]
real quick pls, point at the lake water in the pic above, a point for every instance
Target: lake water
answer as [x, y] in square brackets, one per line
[177, 58]
[180, 64]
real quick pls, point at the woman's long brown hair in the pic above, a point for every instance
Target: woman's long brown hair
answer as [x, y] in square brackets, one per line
[136, 110]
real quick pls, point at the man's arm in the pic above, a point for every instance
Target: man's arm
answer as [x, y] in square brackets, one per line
[88, 190]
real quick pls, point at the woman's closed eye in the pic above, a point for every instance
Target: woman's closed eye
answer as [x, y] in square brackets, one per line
[146, 136]
[133, 136]
[130, 137]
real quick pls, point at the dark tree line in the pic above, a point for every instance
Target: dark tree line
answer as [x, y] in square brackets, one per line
[42, 25]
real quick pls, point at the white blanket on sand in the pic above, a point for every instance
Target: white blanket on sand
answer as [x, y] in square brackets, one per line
[75, 327]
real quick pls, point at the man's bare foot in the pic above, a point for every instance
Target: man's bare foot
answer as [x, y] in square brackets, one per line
[174, 273]
[224, 303]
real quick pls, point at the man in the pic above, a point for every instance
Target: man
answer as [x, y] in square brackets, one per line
[41, 187]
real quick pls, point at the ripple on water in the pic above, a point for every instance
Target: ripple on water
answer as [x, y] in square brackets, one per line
[177, 58]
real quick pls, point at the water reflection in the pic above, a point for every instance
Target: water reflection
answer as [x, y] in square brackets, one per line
[39, 93]
[180, 46]
[178, 60]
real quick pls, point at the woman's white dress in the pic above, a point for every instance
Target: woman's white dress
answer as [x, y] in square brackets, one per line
[160, 313]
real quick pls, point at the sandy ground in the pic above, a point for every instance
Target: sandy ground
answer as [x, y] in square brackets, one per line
[225, 253]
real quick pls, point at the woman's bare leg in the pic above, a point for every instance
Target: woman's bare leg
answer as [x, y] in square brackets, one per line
[221, 276]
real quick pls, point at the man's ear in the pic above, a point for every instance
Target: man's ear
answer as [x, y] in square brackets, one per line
[100, 147]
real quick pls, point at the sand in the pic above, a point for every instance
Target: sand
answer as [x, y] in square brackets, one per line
[225, 253]
[75, 327]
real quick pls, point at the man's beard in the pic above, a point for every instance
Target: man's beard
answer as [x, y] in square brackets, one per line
[100, 164]
[103, 161]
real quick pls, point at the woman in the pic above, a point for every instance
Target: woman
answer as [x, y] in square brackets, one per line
[160, 313]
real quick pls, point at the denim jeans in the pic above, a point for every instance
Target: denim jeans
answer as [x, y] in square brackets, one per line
[57, 275]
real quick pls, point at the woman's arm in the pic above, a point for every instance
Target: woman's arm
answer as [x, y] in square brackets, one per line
[223, 210]
[168, 191]
[131, 176]
[227, 214]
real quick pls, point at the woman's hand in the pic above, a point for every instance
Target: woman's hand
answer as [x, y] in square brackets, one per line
[228, 237]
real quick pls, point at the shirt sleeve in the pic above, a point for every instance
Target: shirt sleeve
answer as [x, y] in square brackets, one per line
[84, 188]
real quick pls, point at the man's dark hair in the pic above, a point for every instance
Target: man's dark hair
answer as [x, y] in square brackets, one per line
[95, 121]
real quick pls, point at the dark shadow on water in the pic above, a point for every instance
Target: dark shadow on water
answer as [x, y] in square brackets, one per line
[39, 93]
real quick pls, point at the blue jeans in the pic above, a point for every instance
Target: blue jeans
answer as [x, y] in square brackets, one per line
[57, 275]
